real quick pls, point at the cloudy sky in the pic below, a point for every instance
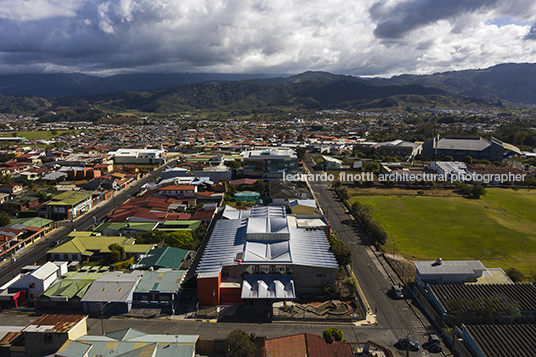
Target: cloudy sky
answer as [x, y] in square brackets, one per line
[365, 37]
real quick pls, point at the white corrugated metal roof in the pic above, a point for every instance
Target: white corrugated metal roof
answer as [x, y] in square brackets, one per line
[449, 267]
[45, 271]
[115, 286]
[268, 287]
[304, 247]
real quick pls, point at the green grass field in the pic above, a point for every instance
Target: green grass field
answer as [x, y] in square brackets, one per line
[498, 229]
[37, 135]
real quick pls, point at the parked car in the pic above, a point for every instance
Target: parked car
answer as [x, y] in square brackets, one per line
[408, 344]
[434, 344]
[396, 292]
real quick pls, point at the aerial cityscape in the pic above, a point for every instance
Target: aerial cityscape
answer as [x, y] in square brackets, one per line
[262, 179]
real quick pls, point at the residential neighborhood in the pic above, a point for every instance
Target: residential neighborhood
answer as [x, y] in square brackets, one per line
[225, 223]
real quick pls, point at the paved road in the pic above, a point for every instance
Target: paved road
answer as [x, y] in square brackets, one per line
[396, 318]
[36, 253]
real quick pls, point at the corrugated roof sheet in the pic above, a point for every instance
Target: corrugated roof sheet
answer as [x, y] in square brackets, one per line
[116, 287]
[45, 270]
[268, 287]
[308, 248]
[504, 340]
[462, 144]
[73, 349]
[449, 267]
[163, 280]
[524, 294]
[55, 323]
[133, 343]
[167, 257]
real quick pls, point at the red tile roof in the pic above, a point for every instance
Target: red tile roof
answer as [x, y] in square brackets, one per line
[306, 344]
[178, 188]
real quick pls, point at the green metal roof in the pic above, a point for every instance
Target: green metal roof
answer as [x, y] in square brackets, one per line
[74, 284]
[138, 248]
[184, 224]
[32, 221]
[68, 198]
[63, 195]
[116, 226]
[87, 245]
[163, 280]
[167, 257]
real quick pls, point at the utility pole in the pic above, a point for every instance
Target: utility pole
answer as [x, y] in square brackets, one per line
[13, 260]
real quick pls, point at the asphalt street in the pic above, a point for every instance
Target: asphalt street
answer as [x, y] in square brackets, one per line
[396, 318]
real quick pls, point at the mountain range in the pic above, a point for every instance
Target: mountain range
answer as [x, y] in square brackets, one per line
[172, 93]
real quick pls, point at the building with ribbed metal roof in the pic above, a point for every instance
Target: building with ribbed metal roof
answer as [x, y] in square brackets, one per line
[131, 343]
[500, 340]
[262, 254]
[460, 146]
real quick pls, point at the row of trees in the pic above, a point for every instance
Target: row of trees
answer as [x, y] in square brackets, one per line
[343, 254]
[363, 213]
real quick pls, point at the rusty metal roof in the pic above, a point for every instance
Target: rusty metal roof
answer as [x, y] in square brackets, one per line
[55, 323]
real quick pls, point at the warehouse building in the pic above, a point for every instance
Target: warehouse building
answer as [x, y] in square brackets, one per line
[262, 254]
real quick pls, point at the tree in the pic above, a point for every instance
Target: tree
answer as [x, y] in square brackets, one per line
[467, 159]
[300, 153]
[447, 158]
[343, 255]
[334, 332]
[117, 253]
[199, 232]
[259, 186]
[478, 191]
[233, 164]
[238, 344]
[180, 239]
[151, 237]
[515, 275]
[4, 219]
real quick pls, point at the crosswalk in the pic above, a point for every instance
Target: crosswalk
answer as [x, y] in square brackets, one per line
[418, 330]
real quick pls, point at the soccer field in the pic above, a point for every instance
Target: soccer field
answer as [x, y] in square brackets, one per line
[499, 229]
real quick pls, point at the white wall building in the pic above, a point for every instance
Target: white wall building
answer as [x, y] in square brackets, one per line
[140, 156]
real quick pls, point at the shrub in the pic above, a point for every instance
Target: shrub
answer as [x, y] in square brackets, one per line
[351, 283]
[332, 331]
[329, 289]
[515, 275]
[239, 344]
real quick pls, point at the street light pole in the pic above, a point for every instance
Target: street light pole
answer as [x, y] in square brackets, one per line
[102, 316]
[101, 319]
[13, 260]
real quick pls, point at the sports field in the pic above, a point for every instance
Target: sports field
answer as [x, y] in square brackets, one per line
[499, 229]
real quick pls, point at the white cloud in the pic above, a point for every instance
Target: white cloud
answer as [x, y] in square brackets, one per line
[277, 36]
[29, 10]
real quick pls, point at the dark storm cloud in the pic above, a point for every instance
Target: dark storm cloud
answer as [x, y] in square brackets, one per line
[532, 32]
[395, 21]
[262, 36]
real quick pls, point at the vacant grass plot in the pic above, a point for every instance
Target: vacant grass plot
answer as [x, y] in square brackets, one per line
[43, 134]
[499, 229]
